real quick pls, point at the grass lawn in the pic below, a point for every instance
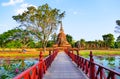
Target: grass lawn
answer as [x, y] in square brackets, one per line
[27, 54]
[99, 52]
[35, 53]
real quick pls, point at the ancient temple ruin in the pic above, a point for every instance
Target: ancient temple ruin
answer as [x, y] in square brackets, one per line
[61, 39]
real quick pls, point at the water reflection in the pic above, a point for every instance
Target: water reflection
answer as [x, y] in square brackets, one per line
[112, 62]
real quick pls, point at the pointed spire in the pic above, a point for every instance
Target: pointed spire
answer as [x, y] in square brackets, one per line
[61, 27]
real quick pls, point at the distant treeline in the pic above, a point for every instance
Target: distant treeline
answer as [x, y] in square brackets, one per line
[17, 38]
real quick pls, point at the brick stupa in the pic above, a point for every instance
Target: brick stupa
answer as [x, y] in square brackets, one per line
[61, 39]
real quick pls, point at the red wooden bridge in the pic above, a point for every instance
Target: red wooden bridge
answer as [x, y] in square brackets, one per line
[67, 65]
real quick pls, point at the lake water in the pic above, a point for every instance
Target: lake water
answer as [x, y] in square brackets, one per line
[10, 67]
[112, 62]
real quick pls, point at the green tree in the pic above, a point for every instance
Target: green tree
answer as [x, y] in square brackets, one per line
[2, 40]
[8, 36]
[118, 22]
[117, 28]
[38, 44]
[31, 44]
[109, 40]
[82, 43]
[54, 37]
[77, 44]
[50, 43]
[100, 43]
[117, 43]
[69, 38]
[41, 21]
[118, 39]
[73, 43]
[14, 44]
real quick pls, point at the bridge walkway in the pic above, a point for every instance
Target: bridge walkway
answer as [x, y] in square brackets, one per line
[63, 68]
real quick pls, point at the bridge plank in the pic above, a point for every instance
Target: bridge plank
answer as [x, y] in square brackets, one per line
[63, 68]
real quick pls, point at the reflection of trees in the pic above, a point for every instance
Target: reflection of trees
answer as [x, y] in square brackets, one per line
[22, 63]
[100, 57]
[111, 61]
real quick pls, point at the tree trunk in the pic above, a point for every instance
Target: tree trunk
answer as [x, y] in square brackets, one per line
[44, 46]
[44, 49]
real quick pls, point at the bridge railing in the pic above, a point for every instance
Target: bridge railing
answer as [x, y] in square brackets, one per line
[38, 70]
[92, 69]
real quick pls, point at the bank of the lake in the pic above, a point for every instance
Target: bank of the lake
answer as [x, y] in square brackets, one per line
[99, 52]
[20, 55]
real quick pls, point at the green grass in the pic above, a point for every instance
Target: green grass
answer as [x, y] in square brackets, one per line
[35, 53]
[99, 52]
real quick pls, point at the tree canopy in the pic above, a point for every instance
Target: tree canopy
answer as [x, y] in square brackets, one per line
[109, 40]
[117, 28]
[41, 21]
[8, 36]
[118, 22]
[69, 38]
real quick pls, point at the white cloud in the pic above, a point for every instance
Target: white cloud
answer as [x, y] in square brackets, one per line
[23, 7]
[56, 1]
[12, 2]
[75, 12]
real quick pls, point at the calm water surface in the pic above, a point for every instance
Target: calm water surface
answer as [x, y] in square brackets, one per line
[10, 67]
[112, 62]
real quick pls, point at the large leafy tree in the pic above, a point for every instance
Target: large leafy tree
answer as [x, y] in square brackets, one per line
[25, 38]
[8, 36]
[14, 44]
[16, 38]
[109, 40]
[41, 21]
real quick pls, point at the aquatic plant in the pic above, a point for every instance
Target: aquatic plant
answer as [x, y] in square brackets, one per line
[8, 71]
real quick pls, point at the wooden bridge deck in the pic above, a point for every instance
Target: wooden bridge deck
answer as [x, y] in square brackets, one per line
[63, 68]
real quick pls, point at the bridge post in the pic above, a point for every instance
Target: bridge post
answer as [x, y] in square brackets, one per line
[77, 53]
[49, 52]
[73, 58]
[41, 66]
[92, 66]
[77, 57]
[50, 57]
[40, 56]
[68, 51]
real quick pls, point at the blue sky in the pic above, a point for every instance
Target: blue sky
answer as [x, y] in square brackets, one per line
[87, 19]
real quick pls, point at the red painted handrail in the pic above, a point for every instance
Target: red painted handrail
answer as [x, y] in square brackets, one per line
[38, 70]
[92, 69]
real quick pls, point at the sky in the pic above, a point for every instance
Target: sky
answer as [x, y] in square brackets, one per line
[84, 19]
